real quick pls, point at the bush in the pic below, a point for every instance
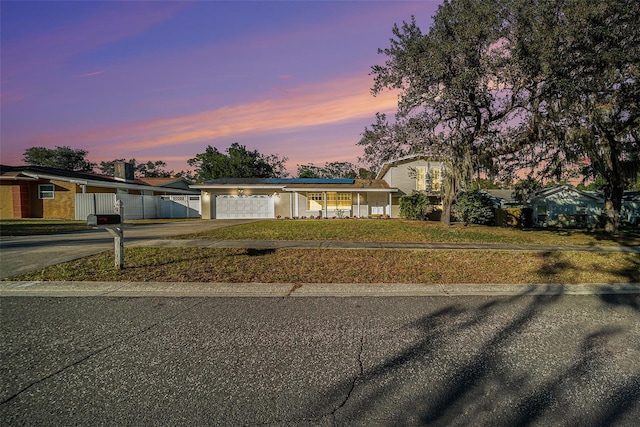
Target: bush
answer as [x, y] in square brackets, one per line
[474, 207]
[415, 206]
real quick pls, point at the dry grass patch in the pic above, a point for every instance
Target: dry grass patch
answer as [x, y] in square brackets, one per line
[348, 266]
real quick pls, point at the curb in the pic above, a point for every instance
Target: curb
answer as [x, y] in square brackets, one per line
[283, 290]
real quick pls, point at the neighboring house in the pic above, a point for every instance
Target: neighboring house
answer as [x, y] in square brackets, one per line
[423, 173]
[503, 198]
[177, 183]
[565, 205]
[294, 197]
[43, 192]
[630, 212]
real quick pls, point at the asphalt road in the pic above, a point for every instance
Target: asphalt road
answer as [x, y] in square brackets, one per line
[477, 360]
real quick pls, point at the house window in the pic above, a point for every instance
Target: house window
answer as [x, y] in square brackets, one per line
[46, 191]
[343, 200]
[334, 201]
[315, 201]
[436, 180]
[421, 178]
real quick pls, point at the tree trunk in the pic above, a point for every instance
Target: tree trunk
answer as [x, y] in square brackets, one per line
[449, 196]
[612, 206]
[446, 210]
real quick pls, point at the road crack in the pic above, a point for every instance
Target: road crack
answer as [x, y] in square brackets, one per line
[355, 378]
[98, 351]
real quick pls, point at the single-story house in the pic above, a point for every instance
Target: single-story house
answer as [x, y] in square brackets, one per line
[630, 212]
[44, 192]
[294, 198]
[565, 205]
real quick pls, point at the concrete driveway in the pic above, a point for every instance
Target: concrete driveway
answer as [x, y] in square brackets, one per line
[27, 253]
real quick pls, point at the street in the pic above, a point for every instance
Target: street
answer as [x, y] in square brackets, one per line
[456, 360]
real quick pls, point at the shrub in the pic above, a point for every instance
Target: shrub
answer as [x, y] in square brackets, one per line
[474, 207]
[510, 217]
[415, 206]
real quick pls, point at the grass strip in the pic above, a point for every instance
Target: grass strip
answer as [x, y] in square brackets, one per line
[150, 264]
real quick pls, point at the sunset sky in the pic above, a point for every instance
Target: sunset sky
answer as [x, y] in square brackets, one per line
[160, 80]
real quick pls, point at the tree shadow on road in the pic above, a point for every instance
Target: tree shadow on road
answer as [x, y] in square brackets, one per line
[489, 365]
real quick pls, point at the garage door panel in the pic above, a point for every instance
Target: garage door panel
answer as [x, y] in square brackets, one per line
[244, 207]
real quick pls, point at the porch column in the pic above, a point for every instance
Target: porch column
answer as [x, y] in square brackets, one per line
[358, 196]
[324, 196]
[390, 204]
[291, 205]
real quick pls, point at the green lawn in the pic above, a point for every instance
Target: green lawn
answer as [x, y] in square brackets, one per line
[398, 230]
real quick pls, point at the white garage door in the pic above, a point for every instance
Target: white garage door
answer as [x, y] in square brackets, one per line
[243, 207]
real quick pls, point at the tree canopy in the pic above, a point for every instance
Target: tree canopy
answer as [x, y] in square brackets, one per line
[238, 162]
[501, 86]
[585, 113]
[65, 158]
[334, 170]
[149, 169]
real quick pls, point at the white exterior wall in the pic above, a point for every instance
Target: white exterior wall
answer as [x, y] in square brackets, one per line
[398, 176]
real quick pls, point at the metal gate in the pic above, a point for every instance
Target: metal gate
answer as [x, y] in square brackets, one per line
[183, 206]
[138, 207]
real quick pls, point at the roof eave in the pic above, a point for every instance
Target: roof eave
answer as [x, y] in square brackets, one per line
[352, 189]
[107, 184]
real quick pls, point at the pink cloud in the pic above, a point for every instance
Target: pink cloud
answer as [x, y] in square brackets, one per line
[325, 104]
[93, 73]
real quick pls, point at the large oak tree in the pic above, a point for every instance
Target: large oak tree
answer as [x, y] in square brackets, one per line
[584, 58]
[551, 86]
[459, 92]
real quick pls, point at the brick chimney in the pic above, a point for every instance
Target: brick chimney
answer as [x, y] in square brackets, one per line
[124, 171]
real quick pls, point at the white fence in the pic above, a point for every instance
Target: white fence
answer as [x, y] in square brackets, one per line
[138, 207]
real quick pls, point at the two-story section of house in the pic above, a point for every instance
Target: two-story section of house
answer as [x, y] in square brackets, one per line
[419, 172]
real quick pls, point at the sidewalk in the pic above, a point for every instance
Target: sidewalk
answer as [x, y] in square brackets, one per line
[284, 290]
